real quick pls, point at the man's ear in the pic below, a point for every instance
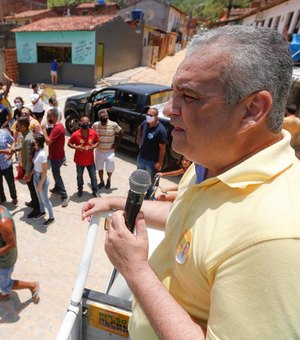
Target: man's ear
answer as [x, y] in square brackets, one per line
[256, 108]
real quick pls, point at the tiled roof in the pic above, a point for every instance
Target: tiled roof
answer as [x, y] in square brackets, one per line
[28, 14]
[68, 23]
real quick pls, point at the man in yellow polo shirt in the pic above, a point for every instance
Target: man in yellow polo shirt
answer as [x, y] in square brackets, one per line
[228, 267]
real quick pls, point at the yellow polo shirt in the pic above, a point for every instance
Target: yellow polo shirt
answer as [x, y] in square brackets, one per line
[231, 254]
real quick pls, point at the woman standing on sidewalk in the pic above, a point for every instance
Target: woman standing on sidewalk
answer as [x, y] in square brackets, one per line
[40, 179]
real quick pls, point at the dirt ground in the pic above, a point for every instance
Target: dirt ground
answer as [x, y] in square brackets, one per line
[163, 73]
[52, 255]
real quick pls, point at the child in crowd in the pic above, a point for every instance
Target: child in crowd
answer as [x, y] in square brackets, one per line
[169, 194]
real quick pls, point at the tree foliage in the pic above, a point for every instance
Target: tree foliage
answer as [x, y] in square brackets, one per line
[209, 9]
[57, 3]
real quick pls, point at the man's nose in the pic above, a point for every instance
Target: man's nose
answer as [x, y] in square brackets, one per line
[172, 107]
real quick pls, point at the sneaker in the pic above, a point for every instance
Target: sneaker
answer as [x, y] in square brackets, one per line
[33, 214]
[65, 201]
[79, 193]
[39, 215]
[3, 201]
[29, 204]
[49, 221]
[55, 191]
[95, 194]
[100, 185]
[15, 201]
[107, 186]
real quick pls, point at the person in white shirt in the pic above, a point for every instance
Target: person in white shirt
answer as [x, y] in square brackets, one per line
[40, 180]
[37, 103]
[53, 104]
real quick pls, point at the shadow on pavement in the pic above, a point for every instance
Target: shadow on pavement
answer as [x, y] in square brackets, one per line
[10, 309]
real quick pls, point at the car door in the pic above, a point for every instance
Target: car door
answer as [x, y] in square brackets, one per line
[124, 112]
[102, 99]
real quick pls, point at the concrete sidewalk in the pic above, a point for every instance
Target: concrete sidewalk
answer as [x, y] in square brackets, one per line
[52, 255]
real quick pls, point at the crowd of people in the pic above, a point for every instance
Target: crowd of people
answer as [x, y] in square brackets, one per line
[230, 255]
[33, 138]
[26, 130]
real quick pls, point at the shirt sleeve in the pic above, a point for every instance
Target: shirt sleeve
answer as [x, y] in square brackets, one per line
[10, 138]
[256, 295]
[55, 134]
[162, 136]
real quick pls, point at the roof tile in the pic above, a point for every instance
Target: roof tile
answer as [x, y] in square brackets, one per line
[68, 23]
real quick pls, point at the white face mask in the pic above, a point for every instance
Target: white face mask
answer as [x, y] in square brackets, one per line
[150, 119]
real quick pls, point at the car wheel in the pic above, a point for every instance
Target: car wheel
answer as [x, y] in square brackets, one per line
[72, 123]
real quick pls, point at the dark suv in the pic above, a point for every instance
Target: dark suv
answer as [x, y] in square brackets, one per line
[126, 104]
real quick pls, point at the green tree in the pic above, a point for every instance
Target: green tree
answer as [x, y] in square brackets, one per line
[56, 3]
[210, 9]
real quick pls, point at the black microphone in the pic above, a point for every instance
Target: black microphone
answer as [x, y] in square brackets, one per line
[139, 182]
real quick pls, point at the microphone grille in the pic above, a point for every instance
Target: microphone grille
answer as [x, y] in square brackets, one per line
[139, 181]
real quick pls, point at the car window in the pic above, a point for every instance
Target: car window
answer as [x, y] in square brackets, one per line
[160, 97]
[127, 100]
[107, 95]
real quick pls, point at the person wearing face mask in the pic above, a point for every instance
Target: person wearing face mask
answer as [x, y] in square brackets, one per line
[151, 138]
[34, 126]
[110, 135]
[19, 103]
[84, 141]
[56, 143]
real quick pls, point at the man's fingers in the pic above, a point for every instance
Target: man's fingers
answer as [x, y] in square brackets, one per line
[87, 210]
[141, 228]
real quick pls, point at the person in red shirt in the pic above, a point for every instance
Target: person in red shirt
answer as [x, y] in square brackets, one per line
[56, 143]
[84, 141]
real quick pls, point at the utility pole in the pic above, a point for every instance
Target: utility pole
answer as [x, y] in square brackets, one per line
[229, 7]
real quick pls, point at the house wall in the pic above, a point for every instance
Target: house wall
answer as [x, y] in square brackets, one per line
[174, 20]
[11, 66]
[122, 51]
[279, 15]
[122, 46]
[156, 14]
[82, 42]
[80, 72]
[7, 42]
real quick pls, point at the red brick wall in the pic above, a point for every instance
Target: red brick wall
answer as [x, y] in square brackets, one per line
[11, 65]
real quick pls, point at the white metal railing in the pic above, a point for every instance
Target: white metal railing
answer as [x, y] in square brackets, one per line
[70, 325]
[76, 297]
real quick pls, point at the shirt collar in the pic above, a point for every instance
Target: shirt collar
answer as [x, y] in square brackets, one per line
[262, 166]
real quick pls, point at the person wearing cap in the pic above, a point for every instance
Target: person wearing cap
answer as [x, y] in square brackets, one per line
[291, 123]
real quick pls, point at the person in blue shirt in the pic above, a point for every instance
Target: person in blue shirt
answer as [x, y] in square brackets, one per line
[152, 139]
[6, 170]
[53, 71]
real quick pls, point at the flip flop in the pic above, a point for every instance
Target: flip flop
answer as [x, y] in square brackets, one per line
[35, 294]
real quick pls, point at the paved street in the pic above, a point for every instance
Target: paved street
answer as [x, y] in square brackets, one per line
[51, 255]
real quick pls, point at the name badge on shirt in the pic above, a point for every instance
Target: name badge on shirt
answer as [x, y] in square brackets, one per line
[150, 135]
[183, 248]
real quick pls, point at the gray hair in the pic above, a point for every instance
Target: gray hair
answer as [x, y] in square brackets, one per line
[258, 59]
